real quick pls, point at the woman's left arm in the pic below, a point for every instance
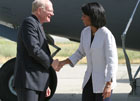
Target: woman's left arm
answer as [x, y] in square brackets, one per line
[111, 58]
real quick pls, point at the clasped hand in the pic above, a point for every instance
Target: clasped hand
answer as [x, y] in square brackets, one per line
[57, 65]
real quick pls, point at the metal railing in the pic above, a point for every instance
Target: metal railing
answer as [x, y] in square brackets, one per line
[123, 36]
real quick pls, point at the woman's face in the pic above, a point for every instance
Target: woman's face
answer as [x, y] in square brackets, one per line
[86, 20]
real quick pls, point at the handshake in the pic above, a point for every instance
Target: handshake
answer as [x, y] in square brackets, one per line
[57, 65]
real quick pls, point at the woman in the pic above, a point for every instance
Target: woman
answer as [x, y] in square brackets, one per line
[98, 45]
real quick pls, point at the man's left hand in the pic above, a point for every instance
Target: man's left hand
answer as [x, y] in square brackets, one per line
[48, 92]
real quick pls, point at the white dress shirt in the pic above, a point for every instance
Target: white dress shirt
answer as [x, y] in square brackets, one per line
[102, 58]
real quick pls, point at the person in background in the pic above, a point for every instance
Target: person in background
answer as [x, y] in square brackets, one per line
[98, 44]
[31, 74]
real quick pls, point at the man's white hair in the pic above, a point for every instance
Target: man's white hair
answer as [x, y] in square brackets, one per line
[38, 3]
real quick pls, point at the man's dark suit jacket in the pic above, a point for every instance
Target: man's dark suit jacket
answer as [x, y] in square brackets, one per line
[33, 56]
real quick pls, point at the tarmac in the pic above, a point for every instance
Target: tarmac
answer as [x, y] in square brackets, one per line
[69, 87]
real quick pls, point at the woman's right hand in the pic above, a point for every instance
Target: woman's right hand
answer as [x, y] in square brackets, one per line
[62, 63]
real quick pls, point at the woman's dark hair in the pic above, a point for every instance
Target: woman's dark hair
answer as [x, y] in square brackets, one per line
[96, 13]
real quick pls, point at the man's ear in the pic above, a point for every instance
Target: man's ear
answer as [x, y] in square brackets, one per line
[39, 10]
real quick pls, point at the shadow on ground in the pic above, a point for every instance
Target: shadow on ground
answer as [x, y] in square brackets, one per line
[77, 97]
[123, 81]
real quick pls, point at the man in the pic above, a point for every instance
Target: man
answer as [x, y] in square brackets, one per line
[31, 75]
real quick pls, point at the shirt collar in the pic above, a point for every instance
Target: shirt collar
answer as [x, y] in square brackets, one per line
[35, 17]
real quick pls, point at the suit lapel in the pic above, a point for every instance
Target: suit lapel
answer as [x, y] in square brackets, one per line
[42, 31]
[88, 38]
[40, 26]
[94, 42]
[43, 34]
[91, 44]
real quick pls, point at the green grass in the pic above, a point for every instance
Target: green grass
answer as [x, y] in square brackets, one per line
[67, 48]
[8, 50]
[134, 56]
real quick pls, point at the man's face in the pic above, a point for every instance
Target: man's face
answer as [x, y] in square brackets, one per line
[46, 13]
